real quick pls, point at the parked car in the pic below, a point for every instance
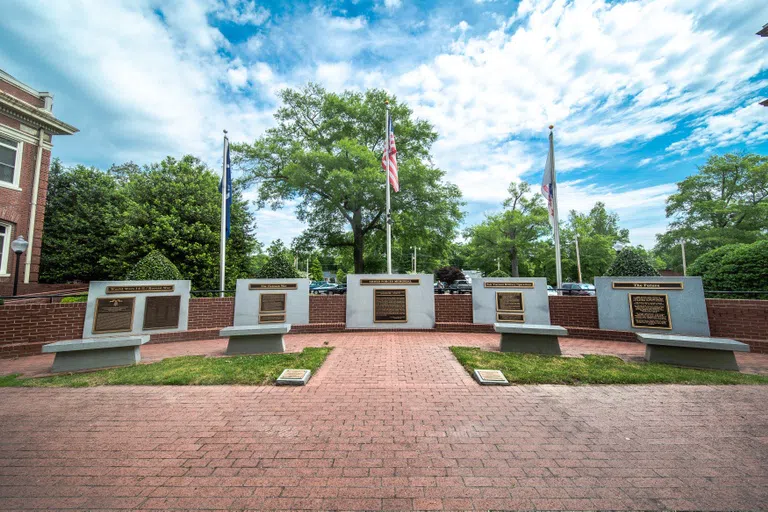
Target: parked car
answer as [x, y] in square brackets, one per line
[313, 285]
[439, 287]
[578, 289]
[326, 289]
[460, 286]
[551, 290]
[340, 289]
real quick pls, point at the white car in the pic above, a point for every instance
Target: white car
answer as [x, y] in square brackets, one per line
[551, 290]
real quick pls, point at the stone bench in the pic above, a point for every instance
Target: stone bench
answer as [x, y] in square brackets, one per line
[255, 339]
[89, 354]
[717, 353]
[530, 338]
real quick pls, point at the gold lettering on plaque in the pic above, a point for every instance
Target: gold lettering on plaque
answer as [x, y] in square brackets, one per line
[272, 308]
[390, 306]
[273, 286]
[113, 315]
[162, 312]
[509, 284]
[646, 285]
[374, 282]
[510, 302]
[649, 311]
[518, 318]
[143, 288]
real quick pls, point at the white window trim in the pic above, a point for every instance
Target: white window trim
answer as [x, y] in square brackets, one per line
[6, 249]
[17, 165]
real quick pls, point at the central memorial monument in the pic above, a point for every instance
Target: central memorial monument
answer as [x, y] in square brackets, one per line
[390, 301]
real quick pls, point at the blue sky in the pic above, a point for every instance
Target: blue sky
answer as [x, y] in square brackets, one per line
[641, 92]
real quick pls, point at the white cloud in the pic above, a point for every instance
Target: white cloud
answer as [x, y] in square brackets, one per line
[238, 77]
[334, 76]
[242, 12]
[393, 4]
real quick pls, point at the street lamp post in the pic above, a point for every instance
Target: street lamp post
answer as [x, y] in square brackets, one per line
[18, 246]
[578, 257]
[685, 267]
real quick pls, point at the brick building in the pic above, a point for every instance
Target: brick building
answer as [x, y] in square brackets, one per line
[27, 126]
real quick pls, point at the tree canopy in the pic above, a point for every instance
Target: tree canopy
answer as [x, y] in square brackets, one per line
[632, 261]
[325, 153]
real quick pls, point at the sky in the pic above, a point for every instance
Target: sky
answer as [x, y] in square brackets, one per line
[640, 92]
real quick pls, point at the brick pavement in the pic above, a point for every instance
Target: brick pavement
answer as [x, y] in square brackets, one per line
[368, 433]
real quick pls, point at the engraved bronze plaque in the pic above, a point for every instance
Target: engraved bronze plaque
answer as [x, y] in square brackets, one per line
[390, 306]
[645, 285]
[272, 318]
[113, 315]
[148, 288]
[272, 303]
[650, 311]
[376, 282]
[492, 375]
[273, 286]
[517, 318]
[162, 312]
[293, 374]
[510, 302]
[509, 284]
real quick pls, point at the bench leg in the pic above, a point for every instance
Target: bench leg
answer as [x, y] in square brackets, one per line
[695, 357]
[257, 344]
[530, 344]
[91, 359]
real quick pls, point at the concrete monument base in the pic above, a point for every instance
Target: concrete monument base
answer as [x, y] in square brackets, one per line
[530, 338]
[695, 351]
[255, 339]
[77, 355]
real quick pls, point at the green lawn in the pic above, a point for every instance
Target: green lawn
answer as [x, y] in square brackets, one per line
[187, 371]
[592, 369]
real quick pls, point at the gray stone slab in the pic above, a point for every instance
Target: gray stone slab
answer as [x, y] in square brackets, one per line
[247, 300]
[535, 299]
[547, 330]
[530, 344]
[420, 301]
[693, 357]
[490, 377]
[255, 330]
[98, 290]
[673, 340]
[291, 377]
[688, 310]
[256, 344]
[95, 344]
[78, 360]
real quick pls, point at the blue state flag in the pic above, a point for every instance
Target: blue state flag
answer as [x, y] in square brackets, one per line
[228, 178]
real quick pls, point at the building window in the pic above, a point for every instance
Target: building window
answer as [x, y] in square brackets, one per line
[5, 247]
[10, 162]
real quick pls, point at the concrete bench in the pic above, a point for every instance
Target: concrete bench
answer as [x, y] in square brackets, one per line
[717, 353]
[530, 338]
[255, 339]
[89, 354]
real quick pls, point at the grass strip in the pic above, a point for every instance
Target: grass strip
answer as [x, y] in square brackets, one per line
[185, 371]
[591, 369]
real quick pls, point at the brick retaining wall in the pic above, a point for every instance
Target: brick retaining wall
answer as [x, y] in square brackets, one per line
[24, 328]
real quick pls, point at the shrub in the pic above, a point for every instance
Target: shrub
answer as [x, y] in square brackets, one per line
[449, 275]
[341, 276]
[74, 298]
[278, 266]
[710, 262]
[154, 267]
[315, 270]
[632, 261]
[498, 273]
[735, 267]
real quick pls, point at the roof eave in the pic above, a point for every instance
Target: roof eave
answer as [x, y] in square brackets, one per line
[37, 116]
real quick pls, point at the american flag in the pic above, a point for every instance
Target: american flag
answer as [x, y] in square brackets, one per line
[391, 152]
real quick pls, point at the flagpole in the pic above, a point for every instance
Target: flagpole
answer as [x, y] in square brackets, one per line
[386, 186]
[223, 242]
[558, 265]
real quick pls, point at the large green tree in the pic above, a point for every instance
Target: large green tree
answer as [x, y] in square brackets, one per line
[83, 213]
[325, 152]
[726, 202]
[510, 235]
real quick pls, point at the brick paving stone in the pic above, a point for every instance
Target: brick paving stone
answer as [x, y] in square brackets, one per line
[390, 422]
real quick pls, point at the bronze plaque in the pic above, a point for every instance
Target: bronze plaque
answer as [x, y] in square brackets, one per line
[491, 375]
[272, 303]
[645, 285]
[162, 312]
[649, 311]
[390, 306]
[510, 302]
[148, 288]
[401, 282]
[293, 374]
[113, 315]
[273, 286]
[272, 318]
[509, 284]
[517, 318]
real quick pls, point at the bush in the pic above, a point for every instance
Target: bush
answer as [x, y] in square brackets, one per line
[315, 270]
[632, 261]
[341, 276]
[498, 273]
[74, 298]
[735, 267]
[154, 267]
[449, 275]
[278, 266]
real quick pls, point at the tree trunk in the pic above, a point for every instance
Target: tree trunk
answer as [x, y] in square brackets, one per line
[513, 262]
[359, 242]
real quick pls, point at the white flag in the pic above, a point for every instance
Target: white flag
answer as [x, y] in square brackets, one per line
[548, 186]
